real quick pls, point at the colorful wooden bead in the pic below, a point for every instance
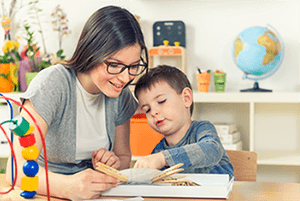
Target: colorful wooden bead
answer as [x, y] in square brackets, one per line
[30, 153]
[30, 168]
[27, 194]
[27, 140]
[30, 130]
[29, 183]
[20, 127]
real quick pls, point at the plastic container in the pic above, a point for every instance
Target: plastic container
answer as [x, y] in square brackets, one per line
[143, 138]
[219, 79]
[203, 80]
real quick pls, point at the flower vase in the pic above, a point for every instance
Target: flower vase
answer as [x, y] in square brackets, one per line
[29, 76]
[14, 75]
[24, 67]
[6, 83]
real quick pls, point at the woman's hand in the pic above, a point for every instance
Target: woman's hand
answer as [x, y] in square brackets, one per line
[155, 161]
[106, 157]
[88, 184]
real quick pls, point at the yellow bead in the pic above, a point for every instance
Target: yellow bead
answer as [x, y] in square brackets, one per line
[30, 153]
[29, 183]
[31, 129]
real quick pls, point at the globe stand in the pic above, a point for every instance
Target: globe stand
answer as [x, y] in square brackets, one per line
[256, 89]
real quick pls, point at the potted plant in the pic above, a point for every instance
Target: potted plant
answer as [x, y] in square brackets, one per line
[34, 35]
[32, 63]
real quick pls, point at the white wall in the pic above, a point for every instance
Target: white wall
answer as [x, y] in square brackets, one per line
[211, 27]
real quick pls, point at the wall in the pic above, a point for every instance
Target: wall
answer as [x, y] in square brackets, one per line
[211, 27]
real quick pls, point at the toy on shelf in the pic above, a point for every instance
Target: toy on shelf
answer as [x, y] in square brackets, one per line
[20, 127]
[168, 51]
[203, 80]
[168, 41]
[173, 31]
[219, 79]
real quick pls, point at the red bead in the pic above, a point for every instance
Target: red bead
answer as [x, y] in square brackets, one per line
[27, 140]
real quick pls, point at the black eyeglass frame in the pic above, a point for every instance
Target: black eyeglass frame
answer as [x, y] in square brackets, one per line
[145, 65]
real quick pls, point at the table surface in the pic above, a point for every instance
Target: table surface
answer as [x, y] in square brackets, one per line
[254, 191]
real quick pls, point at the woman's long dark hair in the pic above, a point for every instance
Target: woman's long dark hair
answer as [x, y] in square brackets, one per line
[107, 31]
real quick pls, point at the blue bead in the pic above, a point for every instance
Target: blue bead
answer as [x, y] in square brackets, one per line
[27, 194]
[30, 168]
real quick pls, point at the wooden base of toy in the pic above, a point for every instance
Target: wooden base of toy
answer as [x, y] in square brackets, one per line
[15, 195]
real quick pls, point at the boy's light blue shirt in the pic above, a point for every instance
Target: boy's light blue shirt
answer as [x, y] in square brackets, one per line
[200, 150]
[53, 95]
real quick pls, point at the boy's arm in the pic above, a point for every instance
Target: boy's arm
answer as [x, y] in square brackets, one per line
[205, 152]
[155, 161]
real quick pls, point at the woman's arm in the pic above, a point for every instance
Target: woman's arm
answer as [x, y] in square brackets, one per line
[87, 184]
[122, 144]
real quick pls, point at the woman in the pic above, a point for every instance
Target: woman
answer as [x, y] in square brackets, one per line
[83, 106]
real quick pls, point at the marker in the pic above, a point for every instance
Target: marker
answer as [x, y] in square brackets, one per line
[199, 70]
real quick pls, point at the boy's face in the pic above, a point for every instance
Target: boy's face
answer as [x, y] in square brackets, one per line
[167, 111]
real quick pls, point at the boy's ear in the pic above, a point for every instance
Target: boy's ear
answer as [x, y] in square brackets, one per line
[187, 95]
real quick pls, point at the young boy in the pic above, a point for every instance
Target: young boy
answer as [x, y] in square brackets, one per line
[165, 95]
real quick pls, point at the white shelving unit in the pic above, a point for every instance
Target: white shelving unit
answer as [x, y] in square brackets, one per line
[269, 122]
[15, 96]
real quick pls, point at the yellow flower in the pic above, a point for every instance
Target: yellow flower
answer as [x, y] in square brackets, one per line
[16, 45]
[9, 45]
[4, 49]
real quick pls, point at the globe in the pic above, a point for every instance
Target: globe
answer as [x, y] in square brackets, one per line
[258, 52]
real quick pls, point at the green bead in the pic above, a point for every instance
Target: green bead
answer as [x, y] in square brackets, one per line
[20, 127]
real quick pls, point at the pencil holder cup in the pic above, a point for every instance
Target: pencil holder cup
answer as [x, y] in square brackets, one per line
[219, 79]
[203, 80]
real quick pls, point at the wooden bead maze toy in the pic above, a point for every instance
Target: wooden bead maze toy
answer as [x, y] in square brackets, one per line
[20, 127]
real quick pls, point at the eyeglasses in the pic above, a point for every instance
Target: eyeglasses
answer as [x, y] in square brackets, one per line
[117, 68]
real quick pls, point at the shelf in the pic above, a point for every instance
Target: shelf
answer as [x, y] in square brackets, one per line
[260, 97]
[289, 158]
[15, 96]
[5, 149]
[258, 116]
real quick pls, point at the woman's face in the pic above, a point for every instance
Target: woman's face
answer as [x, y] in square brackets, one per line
[112, 85]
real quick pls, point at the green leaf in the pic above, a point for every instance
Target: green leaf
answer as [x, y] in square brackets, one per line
[59, 53]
